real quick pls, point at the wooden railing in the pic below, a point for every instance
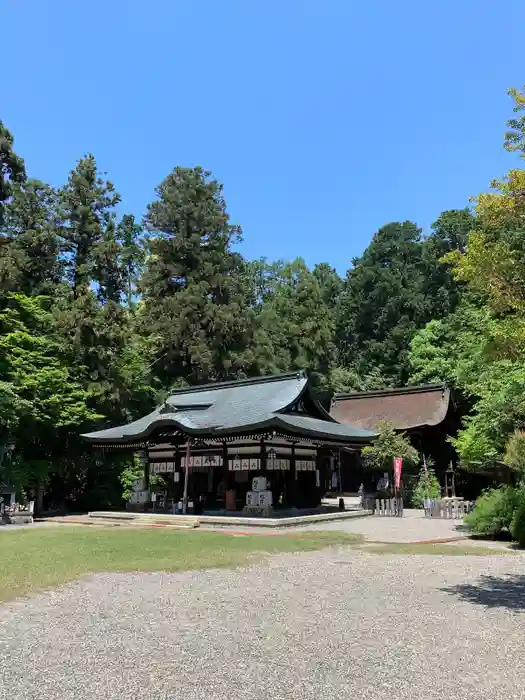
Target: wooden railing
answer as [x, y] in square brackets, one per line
[389, 507]
[448, 510]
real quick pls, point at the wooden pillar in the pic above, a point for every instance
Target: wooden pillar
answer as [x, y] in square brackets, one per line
[177, 485]
[292, 498]
[230, 502]
[263, 456]
[146, 469]
[40, 497]
[146, 478]
[225, 466]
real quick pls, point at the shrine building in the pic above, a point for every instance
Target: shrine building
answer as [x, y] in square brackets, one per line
[270, 427]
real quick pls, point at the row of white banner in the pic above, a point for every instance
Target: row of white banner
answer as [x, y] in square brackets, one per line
[203, 464]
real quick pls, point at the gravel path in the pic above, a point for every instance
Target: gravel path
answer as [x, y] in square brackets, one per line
[412, 527]
[336, 623]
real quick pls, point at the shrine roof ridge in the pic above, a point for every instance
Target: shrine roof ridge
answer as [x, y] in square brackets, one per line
[234, 383]
[406, 408]
[281, 401]
[391, 391]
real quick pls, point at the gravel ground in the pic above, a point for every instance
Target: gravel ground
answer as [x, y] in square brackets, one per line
[336, 623]
[412, 527]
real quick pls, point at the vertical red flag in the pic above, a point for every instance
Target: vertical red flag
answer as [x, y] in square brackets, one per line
[398, 467]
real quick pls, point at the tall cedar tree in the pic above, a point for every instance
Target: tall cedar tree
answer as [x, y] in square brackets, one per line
[330, 283]
[449, 233]
[397, 286]
[132, 253]
[294, 319]
[91, 318]
[88, 203]
[12, 169]
[382, 304]
[30, 260]
[194, 285]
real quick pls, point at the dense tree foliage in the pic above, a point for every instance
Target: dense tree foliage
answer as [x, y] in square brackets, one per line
[480, 347]
[383, 304]
[101, 313]
[12, 169]
[292, 317]
[194, 288]
[397, 286]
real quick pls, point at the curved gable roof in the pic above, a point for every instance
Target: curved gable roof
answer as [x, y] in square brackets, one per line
[231, 407]
[410, 407]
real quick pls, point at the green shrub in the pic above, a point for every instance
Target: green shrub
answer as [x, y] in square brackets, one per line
[515, 451]
[427, 486]
[517, 528]
[494, 510]
[132, 472]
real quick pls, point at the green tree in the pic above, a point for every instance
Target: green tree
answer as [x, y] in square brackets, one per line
[12, 169]
[451, 350]
[95, 328]
[427, 487]
[382, 304]
[88, 202]
[492, 267]
[397, 286]
[515, 452]
[30, 250]
[515, 136]
[298, 322]
[449, 233]
[132, 254]
[330, 283]
[43, 406]
[347, 379]
[388, 444]
[194, 287]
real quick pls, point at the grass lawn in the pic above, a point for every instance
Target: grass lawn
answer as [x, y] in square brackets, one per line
[39, 558]
[437, 549]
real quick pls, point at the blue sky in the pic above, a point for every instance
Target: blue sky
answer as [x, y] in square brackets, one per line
[324, 119]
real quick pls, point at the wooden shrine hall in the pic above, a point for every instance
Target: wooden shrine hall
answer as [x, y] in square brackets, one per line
[425, 414]
[270, 427]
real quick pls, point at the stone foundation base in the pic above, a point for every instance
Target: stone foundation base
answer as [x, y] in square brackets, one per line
[258, 511]
[17, 518]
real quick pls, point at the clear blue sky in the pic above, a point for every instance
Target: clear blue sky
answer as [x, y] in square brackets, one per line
[324, 119]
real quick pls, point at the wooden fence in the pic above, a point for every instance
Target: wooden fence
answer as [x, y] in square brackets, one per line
[452, 510]
[389, 507]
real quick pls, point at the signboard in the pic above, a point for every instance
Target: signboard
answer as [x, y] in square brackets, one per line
[398, 467]
[161, 467]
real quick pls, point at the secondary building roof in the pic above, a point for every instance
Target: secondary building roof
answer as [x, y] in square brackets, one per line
[407, 408]
[282, 403]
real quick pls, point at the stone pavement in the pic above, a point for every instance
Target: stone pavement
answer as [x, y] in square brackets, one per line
[412, 527]
[339, 623]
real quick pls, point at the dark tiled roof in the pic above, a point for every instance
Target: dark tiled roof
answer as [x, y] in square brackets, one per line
[320, 428]
[232, 407]
[411, 407]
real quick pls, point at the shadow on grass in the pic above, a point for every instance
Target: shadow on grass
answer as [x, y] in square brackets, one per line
[493, 592]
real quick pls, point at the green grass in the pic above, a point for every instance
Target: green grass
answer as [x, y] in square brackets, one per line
[39, 558]
[450, 550]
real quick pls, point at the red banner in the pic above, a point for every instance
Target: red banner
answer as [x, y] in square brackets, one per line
[398, 467]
